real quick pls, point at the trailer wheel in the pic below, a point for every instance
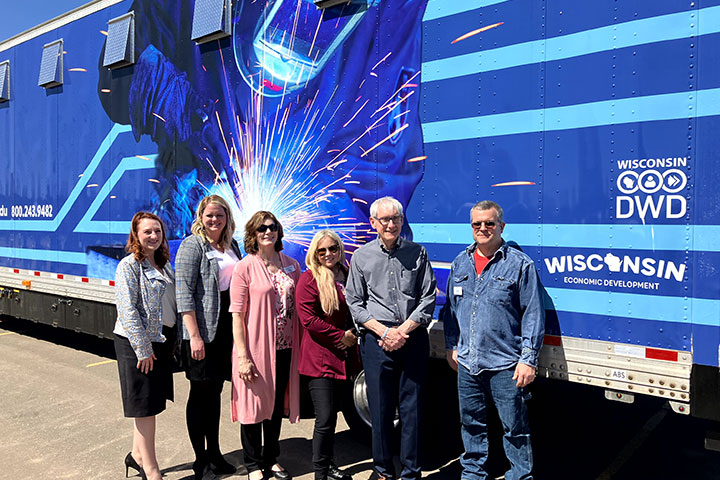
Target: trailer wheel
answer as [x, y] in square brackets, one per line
[356, 409]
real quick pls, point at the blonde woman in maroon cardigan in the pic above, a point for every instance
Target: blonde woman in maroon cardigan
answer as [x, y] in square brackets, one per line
[328, 343]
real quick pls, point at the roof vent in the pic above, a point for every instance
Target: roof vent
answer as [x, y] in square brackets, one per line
[51, 67]
[211, 20]
[120, 43]
[5, 81]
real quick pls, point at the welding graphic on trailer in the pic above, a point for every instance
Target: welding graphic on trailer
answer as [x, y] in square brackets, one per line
[311, 114]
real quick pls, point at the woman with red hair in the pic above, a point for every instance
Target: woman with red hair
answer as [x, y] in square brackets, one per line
[144, 335]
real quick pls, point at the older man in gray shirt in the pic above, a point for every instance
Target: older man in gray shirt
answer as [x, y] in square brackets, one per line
[391, 295]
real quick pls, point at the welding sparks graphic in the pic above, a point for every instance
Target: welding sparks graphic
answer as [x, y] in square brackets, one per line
[271, 168]
[272, 157]
[475, 32]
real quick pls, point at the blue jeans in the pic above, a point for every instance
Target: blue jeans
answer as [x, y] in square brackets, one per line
[475, 392]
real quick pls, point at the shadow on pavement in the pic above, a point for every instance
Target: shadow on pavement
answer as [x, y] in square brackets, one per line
[102, 347]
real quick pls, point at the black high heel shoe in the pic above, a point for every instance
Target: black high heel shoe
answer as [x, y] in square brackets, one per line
[199, 467]
[130, 462]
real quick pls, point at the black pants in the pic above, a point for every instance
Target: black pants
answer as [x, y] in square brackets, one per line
[251, 435]
[206, 384]
[326, 394]
[396, 380]
[203, 417]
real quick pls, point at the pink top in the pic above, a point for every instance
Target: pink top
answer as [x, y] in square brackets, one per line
[251, 290]
[284, 287]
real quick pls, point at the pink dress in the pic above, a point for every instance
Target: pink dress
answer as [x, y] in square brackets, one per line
[251, 290]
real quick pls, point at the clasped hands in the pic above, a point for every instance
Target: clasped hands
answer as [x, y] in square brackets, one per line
[394, 339]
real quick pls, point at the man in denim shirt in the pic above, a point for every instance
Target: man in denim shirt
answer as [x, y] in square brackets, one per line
[391, 295]
[494, 323]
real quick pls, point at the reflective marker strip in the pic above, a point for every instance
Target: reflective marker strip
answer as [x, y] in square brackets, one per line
[553, 340]
[61, 276]
[630, 351]
[657, 354]
[627, 350]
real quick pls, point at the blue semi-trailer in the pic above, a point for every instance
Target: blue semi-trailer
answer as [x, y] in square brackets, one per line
[594, 124]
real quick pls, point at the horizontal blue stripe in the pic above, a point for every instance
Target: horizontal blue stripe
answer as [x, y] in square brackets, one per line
[574, 81]
[633, 237]
[44, 255]
[705, 312]
[52, 225]
[651, 307]
[638, 32]
[444, 8]
[669, 106]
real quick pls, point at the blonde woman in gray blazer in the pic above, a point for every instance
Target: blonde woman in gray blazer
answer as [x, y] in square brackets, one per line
[204, 265]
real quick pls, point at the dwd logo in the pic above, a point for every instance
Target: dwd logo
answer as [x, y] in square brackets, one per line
[639, 191]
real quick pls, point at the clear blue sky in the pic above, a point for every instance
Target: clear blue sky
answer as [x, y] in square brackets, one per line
[21, 15]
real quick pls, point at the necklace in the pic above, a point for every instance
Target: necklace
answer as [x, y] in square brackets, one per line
[270, 261]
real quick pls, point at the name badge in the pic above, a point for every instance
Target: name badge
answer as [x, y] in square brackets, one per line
[213, 254]
[289, 269]
[457, 291]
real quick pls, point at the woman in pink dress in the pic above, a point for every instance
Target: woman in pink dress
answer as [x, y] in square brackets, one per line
[265, 379]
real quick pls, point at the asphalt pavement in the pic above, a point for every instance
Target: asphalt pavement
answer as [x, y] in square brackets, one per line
[61, 418]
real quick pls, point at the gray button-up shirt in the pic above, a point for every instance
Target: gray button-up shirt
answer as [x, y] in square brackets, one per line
[391, 286]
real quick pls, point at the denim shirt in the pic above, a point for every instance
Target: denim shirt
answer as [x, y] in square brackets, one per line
[496, 319]
[138, 290]
[391, 286]
[197, 287]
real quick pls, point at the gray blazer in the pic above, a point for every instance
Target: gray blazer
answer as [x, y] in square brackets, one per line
[196, 285]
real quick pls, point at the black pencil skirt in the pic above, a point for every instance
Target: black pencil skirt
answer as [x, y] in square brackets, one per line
[217, 364]
[144, 395]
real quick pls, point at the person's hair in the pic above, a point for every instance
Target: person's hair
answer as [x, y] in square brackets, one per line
[487, 205]
[323, 276]
[253, 224]
[388, 202]
[162, 254]
[199, 229]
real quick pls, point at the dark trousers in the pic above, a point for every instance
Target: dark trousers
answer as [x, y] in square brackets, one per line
[326, 394]
[396, 381]
[203, 417]
[258, 456]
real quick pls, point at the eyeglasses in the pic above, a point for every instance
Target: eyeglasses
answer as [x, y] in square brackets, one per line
[477, 225]
[263, 228]
[385, 221]
[332, 249]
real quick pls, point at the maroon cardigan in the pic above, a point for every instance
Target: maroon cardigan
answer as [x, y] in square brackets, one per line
[319, 357]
